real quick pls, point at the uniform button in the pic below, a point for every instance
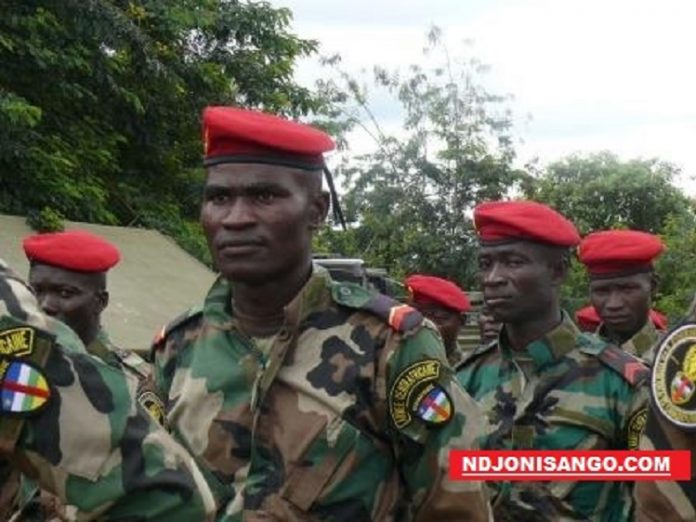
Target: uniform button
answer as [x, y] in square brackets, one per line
[283, 334]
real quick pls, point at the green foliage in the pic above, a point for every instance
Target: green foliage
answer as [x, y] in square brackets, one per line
[48, 220]
[100, 101]
[409, 202]
[599, 192]
[677, 267]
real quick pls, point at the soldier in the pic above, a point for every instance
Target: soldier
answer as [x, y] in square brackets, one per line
[671, 425]
[545, 385]
[72, 423]
[445, 304]
[588, 319]
[68, 273]
[489, 328]
[622, 284]
[305, 398]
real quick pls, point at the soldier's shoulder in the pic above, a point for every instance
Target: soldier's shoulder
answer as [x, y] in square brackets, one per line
[400, 317]
[630, 368]
[188, 319]
[476, 354]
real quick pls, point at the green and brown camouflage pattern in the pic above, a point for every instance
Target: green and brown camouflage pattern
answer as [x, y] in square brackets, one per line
[641, 345]
[566, 391]
[34, 505]
[93, 446]
[666, 501]
[302, 431]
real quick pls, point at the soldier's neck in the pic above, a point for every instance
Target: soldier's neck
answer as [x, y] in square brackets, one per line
[265, 301]
[521, 334]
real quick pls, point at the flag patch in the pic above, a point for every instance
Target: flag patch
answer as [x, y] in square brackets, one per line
[23, 388]
[435, 407]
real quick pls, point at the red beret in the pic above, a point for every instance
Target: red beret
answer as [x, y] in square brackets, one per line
[659, 320]
[428, 289]
[587, 318]
[613, 252]
[77, 250]
[499, 221]
[233, 135]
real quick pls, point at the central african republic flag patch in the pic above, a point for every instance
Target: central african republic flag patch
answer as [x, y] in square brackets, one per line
[23, 388]
[435, 407]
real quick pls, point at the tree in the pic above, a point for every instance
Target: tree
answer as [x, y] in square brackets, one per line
[599, 192]
[409, 201]
[100, 102]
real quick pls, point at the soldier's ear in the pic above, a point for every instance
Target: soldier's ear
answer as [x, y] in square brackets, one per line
[102, 300]
[318, 210]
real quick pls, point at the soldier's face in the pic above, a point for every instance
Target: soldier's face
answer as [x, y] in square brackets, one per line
[518, 281]
[623, 303]
[259, 219]
[448, 322]
[75, 298]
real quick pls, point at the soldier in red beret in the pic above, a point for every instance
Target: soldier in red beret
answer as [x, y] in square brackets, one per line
[305, 398]
[543, 384]
[622, 284]
[444, 303]
[68, 274]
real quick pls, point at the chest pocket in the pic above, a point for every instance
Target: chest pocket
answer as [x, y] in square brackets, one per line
[330, 462]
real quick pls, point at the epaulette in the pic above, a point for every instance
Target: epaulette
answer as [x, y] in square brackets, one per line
[178, 322]
[629, 367]
[400, 317]
[480, 349]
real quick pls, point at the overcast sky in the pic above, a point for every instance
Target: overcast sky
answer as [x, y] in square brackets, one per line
[617, 75]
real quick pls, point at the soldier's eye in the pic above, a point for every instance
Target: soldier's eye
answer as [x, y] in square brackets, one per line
[265, 197]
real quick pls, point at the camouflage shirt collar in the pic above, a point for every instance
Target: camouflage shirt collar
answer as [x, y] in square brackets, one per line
[642, 342]
[554, 345]
[217, 307]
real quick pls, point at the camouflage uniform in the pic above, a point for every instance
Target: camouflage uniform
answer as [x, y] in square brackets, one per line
[568, 390]
[642, 344]
[35, 505]
[92, 445]
[303, 426]
[671, 425]
[666, 501]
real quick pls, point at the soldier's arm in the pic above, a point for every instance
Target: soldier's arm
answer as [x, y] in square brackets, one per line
[671, 425]
[431, 414]
[82, 436]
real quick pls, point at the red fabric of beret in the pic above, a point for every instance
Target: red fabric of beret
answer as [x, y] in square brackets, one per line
[77, 250]
[500, 221]
[612, 252]
[238, 135]
[587, 318]
[429, 289]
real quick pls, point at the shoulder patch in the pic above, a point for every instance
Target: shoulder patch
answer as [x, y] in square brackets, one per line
[415, 394]
[178, 322]
[629, 367]
[24, 390]
[635, 428]
[673, 382]
[400, 317]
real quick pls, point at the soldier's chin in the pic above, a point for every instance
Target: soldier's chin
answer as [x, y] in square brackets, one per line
[244, 272]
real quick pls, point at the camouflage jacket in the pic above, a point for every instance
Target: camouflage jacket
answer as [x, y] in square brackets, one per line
[671, 425]
[36, 506]
[642, 344]
[82, 435]
[321, 426]
[565, 391]
[666, 501]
